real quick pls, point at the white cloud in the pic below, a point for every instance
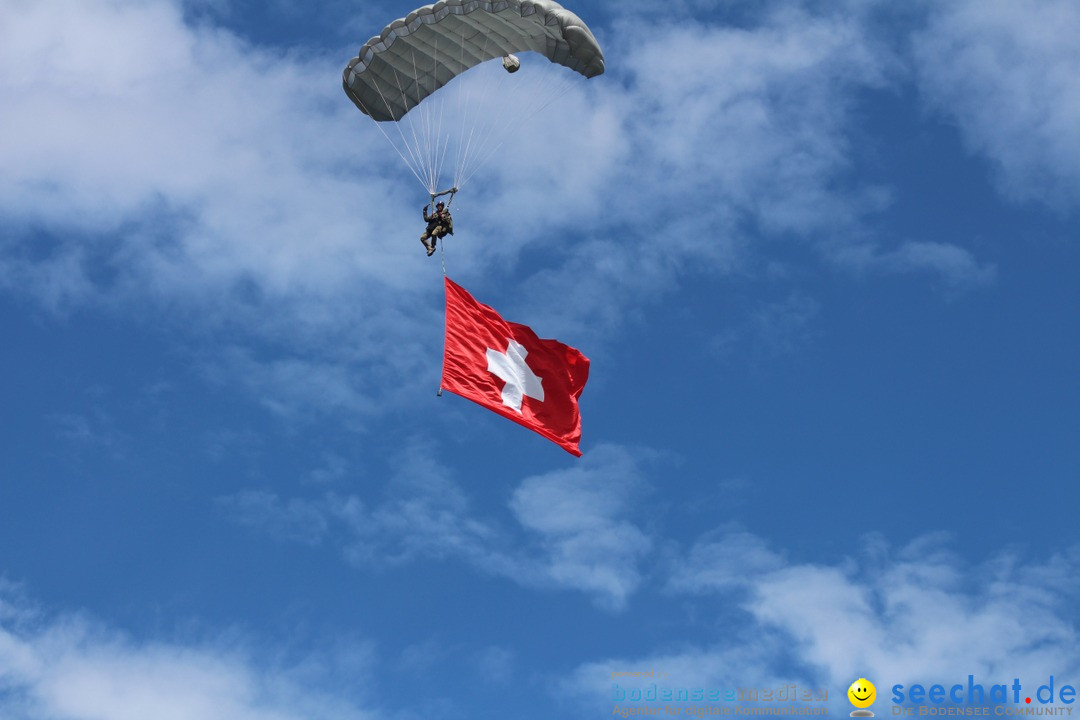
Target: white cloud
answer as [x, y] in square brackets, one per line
[73, 668]
[723, 561]
[495, 664]
[922, 613]
[583, 520]
[576, 528]
[293, 520]
[954, 264]
[424, 514]
[955, 267]
[724, 136]
[97, 430]
[914, 614]
[1005, 73]
[179, 173]
[296, 386]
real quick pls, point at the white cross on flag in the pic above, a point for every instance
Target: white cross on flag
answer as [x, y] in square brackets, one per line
[506, 368]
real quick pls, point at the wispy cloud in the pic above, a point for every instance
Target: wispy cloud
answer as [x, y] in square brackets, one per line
[178, 174]
[917, 613]
[723, 561]
[583, 519]
[73, 667]
[954, 266]
[179, 171]
[424, 513]
[294, 520]
[575, 529]
[96, 430]
[1006, 75]
[733, 143]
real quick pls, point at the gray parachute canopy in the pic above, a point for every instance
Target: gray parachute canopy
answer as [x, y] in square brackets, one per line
[418, 54]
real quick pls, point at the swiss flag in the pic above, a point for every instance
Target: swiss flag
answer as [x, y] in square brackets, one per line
[506, 368]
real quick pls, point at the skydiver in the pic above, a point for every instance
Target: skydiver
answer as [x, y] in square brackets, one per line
[439, 224]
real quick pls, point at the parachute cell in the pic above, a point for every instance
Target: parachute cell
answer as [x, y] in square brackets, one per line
[420, 53]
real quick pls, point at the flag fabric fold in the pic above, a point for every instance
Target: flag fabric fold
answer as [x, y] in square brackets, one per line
[506, 368]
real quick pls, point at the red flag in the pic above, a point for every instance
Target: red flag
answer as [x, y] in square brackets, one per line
[506, 368]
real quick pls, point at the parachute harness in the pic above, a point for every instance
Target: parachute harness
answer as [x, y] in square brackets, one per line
[442, 246]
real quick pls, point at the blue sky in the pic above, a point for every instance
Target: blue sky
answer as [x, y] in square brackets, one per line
[823, 257]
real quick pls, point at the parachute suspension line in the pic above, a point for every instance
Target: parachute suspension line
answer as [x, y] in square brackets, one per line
[480, 129]
[487, 135]
[404, 159]
[437, 153]
[441, 152]
[442, 155]
[426, 122]
[427, 131]
[413, 145]
[551, 87]
[460, 109]
[414, 148]
[423, 141]
[463, 147]
[411, 161]
[466, 86]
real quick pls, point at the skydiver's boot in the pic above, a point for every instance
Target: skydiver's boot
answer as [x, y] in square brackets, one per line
[429, 248]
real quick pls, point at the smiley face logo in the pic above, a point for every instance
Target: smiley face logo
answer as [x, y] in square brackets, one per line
[862, 693]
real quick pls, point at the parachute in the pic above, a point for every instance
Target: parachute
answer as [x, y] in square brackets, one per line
[418, 54]
[400, 72]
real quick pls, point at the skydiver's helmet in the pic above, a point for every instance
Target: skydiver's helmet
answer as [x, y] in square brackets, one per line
[440, 205]
[511, 63]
